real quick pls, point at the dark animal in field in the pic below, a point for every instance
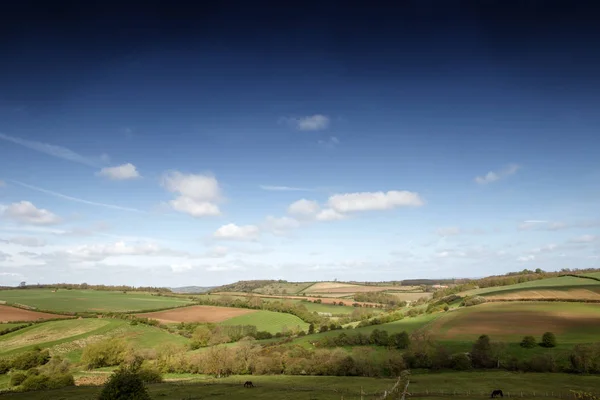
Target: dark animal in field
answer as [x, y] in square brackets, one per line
[496, 393]
[248, 384]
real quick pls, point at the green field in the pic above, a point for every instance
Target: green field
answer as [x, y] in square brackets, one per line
[466, 385]
[10, 325]
[283, 288]
[269, 321]
[562, 282]
[68, 337]
[330, 308]
[89, 300]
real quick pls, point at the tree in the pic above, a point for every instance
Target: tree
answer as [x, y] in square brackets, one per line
[548, 340]
[399, 340]
[201, 336]
[311, 329]
[481, 353]
[528, 342]
[498, 351]
[124, 384]
[22, 284]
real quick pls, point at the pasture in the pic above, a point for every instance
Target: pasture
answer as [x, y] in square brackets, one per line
[557, 283]
[283, 288]
[196, 314]
[347, 288]
[571, 322]
[269, 321]
[9, 314]
[89, 300]
[465, 385]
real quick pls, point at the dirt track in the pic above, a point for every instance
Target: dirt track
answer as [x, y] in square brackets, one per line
[10, 314]
[196, 314]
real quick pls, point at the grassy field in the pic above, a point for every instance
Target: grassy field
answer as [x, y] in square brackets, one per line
[283, 288]
[9, 326]
[466, 385]
[268, 321]
[571, 322]
[563, 282]
[89, 300]
[69, 337]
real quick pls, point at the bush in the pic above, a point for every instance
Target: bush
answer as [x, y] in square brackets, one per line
[460, 362]
[4, 366]
[528, 342]
[150, 375]
[31, 359]
[105, 353]
[124, 384]
[17, 378]
[548, 340]
[473, 301]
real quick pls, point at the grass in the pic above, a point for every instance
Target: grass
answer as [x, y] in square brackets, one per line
[10, 325]
[269, 321]
[89, 300]
[571, 322]
[551, 283]
[467, 385]
[69, 337]
[330, 308]
[279, 288]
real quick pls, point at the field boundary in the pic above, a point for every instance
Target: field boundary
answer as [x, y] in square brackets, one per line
[582, 277]
[542, 300]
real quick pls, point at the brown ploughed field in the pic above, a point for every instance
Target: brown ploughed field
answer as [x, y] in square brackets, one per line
[12, 314]
[196, 314]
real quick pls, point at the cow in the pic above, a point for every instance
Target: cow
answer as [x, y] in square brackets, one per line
[497, 392]
[248, 384]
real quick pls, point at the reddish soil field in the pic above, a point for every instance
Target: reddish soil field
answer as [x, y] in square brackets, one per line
[196, 314]
[10, 314]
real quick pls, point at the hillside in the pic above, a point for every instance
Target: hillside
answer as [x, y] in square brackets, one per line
[192, 289]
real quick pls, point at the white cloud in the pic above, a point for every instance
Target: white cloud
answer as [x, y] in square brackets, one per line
[315, 122]
[280, 226]
[217, 252]
[194, 207]
[225, 267]
[25, 211]
[304, 208]
[27, 241]
[99, 252]
[331, 142]
[585, 239]
[526, 258]
[58, 151]
[177, 268]
[495, 176]
[448, 231]
[237, 232]
[367, 201]
[198, 194]
[120, 172]
[78, 200]
[329, 214]
[284, 188]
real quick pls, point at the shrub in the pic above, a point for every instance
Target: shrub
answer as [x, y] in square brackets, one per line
[548, 340]
[4, 366]
[17, 378]
[528, 342]
[105, 353]
[460, 362]
[150, 375]
[31, 359]
[481, 353]
[473, 301]
[124, 384]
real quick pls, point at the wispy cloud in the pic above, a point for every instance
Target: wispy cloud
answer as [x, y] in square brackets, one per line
[494, 176]
[315, 122]
[58, 151]
[284, 188]
[78, 200]
[331, 142]
[120, 172]
[540, 225]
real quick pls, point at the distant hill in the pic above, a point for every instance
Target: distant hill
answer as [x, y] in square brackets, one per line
[192, 289]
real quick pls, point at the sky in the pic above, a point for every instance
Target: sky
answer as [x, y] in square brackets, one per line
[156, 144]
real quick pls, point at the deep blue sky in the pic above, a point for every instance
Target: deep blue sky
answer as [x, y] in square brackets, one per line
[153, 143]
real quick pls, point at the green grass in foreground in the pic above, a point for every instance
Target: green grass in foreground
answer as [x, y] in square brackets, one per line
[269, 321]
[89, 300]
[468, 385]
